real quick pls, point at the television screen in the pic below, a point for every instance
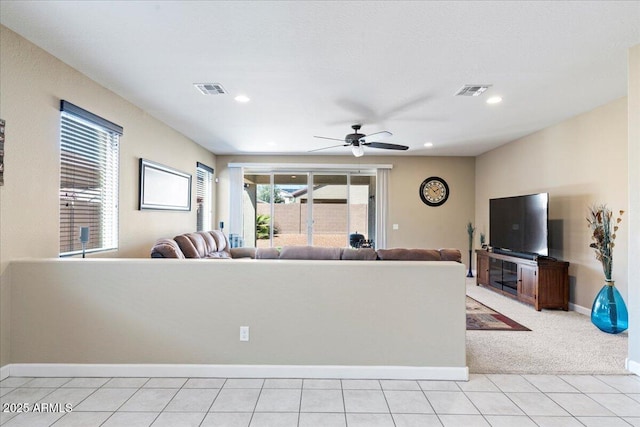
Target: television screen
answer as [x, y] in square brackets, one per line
[520, 224]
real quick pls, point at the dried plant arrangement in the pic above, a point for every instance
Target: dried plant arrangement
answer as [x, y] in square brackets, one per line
[603, 228]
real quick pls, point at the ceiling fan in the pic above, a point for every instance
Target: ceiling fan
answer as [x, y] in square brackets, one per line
[359, 140]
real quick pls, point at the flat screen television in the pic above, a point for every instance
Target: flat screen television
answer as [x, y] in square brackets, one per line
[520, 224]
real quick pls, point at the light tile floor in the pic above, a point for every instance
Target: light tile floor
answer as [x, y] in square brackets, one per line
[485, 400]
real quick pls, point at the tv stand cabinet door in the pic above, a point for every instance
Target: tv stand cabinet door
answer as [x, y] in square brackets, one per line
[553, 285]
[528, 285]
[482, 265]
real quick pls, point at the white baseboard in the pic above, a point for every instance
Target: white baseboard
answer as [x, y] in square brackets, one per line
[580, 309]
[632, 366]
[237, 371]
[4, 371]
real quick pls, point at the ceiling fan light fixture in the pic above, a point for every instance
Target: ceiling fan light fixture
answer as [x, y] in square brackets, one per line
[358, 140]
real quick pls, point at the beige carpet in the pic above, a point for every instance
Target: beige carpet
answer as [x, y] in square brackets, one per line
[559, 342]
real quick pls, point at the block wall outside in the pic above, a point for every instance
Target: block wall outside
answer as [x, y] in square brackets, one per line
[291, 218]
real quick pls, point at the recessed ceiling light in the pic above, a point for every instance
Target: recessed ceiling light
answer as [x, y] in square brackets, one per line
[428, 144]
[494, 100]
[242, 98]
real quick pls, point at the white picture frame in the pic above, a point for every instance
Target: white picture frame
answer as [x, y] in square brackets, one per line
[163, 188]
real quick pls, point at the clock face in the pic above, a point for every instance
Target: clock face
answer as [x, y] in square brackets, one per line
[434, 191]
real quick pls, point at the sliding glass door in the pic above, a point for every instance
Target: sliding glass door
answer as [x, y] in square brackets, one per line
[307, 208]
[271, 216]
[362, 206]
[329, 209]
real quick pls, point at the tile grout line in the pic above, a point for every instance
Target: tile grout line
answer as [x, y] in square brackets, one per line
[95, 389]
[60, 387]
[116, 411]
[429, 402]
[213, 401]
[169, 401]
[300, 403]
[547, 394]
[590, 398]
[257, 400]
[387, 402]
[511, 400]
[344, 404]
[464, 393]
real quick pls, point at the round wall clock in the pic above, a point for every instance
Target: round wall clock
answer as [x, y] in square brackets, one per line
[434, 191]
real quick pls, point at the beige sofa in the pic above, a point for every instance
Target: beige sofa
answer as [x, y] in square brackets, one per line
[201, 244]
[362, 254]
[215, 245]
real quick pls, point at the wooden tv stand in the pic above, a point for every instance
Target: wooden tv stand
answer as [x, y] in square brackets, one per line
[543, 283]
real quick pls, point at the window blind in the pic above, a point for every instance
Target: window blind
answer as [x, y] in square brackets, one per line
[204, 179]
[89, 153]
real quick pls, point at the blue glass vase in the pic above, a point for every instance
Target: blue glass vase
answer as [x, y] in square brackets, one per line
[609, 313]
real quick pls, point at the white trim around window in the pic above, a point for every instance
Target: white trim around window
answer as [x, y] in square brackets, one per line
[236, 186]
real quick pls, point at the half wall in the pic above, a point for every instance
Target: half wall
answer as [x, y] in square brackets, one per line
[306, 318]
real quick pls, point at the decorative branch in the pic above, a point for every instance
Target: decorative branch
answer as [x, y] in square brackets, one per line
[470, 230]
[603, 229]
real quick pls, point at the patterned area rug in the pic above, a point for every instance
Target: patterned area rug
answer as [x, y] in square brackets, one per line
[483, 318]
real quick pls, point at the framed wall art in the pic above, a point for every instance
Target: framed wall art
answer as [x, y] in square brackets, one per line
[164, 188]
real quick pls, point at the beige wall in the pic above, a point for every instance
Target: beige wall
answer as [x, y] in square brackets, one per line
[32, 82]
[190, 311]
[420, 226]
[634, 207]
[579, 162]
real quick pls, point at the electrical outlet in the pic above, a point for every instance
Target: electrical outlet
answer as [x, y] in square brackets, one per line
[396, 226]
[244, 333]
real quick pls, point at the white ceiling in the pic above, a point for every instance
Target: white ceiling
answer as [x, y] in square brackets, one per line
[316, 67]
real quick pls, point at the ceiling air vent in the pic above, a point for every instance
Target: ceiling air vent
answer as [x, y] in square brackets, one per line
[472, 90]
[210, 88]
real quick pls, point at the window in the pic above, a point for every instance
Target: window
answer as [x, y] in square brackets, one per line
[88, 180]
[204, 177]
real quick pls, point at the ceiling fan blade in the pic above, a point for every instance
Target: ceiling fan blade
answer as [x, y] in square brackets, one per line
[326, 148]
[381, 134]
[412, 103]
[333, 139]
[358, 109]
[385, 146]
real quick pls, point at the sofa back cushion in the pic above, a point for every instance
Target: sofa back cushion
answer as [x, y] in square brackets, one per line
[310, 252]
[209, 242]
[401, 254]
[243, 252]
[451, 255]
[191, 244]
[166, 248]
[222, 242]
[361, 254]
[267, 253]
